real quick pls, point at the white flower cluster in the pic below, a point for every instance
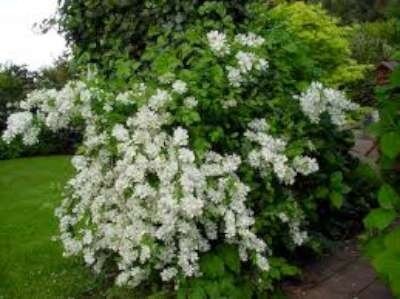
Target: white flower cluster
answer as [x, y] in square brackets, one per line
[298, 236]
[126, 98]
[21, 123]
[249, 39]
[270, 153]
[218, 43]
[179, 87]
[154, 205]
[246, 61]
[318, 99]
[55, 110]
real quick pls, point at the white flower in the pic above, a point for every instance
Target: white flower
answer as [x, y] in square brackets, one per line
[270, 154]
[317, 99]
[108, 107]
[259, 124]
[262, 263]
[159, 99]
[192, 206]
[250, 39]
[190, 102]
[79, 162]
[168, 273]
[179, 87]
[20, 123]
[124, 98]
[305, 165]
[298, 237]
[245, 61]
[180, 137]
[218, 43]
[262, 64]
[283, 217]
[229, 104]
[234, 76]
[89, 258]
[120, 133]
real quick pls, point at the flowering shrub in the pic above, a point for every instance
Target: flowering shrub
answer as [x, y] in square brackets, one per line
[206, 169]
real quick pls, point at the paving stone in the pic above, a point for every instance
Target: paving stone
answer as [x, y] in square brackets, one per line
[328, 266]
[322, 293]
[344, 275]
[363, 146]
[355, 278]
[377, 290]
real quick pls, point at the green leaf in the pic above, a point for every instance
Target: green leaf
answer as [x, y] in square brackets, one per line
[388, 264]
[322, 192]
[197, 292]
[395, 77]
[392, 240]
[379, 219]
[336, 180]
[374, 247]
[336, 199]
[212, 266]
[212, 289]
[231, 258]
[390, 144]
[289, 270]
[216, 134]
[387, 197]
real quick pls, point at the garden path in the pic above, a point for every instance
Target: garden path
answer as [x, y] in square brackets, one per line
[343, 275]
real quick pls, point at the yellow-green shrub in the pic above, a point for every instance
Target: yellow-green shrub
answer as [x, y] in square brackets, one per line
[323, 37]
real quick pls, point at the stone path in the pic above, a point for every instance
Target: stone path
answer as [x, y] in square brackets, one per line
[343, 275]
[365, 148]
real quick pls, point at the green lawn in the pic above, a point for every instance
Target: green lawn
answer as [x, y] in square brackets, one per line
[31, 265]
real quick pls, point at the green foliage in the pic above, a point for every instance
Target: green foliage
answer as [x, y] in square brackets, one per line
[374, 42]
[323, 39]
[15, 82]
[56, 75]
[104, 32]
[383, 235]
[384, 253]
[356, 11]
[224, 278]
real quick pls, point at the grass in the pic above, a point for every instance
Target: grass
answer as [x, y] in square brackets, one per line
[31, 265]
